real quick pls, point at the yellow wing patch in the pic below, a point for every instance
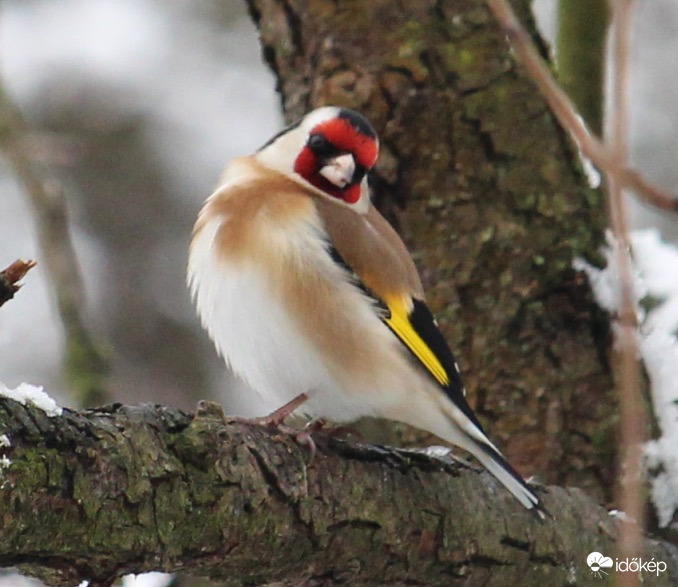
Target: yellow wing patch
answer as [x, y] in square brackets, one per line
[399, 323]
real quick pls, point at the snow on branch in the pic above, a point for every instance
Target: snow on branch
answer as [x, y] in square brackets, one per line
[34, 395]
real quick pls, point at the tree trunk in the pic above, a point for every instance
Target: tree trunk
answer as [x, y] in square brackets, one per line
[98, 494]
[488, 192]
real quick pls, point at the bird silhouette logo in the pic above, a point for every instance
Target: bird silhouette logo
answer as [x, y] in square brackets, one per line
[597, 562]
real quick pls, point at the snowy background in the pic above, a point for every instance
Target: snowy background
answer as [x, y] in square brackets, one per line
[138, 104]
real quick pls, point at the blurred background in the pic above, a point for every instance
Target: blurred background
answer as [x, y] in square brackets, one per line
[135, 106]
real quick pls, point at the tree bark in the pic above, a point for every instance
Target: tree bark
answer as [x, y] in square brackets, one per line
[488, 191]
[98, 494]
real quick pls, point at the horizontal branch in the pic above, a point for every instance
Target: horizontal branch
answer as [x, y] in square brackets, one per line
[101, 493]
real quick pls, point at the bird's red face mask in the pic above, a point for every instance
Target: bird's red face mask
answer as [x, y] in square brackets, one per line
[338, 154]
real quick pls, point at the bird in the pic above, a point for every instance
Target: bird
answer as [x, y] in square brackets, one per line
[312, 298]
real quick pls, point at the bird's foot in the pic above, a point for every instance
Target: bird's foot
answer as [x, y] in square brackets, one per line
[276, 419]
[303, 437]
[333, 431]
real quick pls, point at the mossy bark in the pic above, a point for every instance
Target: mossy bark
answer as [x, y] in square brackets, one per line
[488, 192]
[97, 494]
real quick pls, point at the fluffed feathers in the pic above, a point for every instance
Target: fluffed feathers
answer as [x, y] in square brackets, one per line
[304, 287]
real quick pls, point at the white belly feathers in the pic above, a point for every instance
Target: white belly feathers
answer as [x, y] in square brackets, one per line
[283, 337]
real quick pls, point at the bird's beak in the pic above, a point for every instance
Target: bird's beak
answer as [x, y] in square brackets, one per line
[339, 170]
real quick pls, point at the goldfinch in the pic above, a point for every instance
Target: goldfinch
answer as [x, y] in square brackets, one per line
[312, 298]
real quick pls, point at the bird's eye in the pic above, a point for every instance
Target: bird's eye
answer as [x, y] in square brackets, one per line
[321, 146]
[359, 173]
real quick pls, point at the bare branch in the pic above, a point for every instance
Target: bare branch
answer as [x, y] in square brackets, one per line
[632, 420]
[10, 277]
[612, 159]
[564, 110]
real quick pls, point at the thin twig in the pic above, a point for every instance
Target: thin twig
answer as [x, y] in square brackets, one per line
[564, 110]
[612, 160]
[628, 371]
[10, 277]
[85, 364]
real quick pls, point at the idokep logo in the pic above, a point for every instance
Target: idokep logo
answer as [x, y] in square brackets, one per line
[599, 563]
